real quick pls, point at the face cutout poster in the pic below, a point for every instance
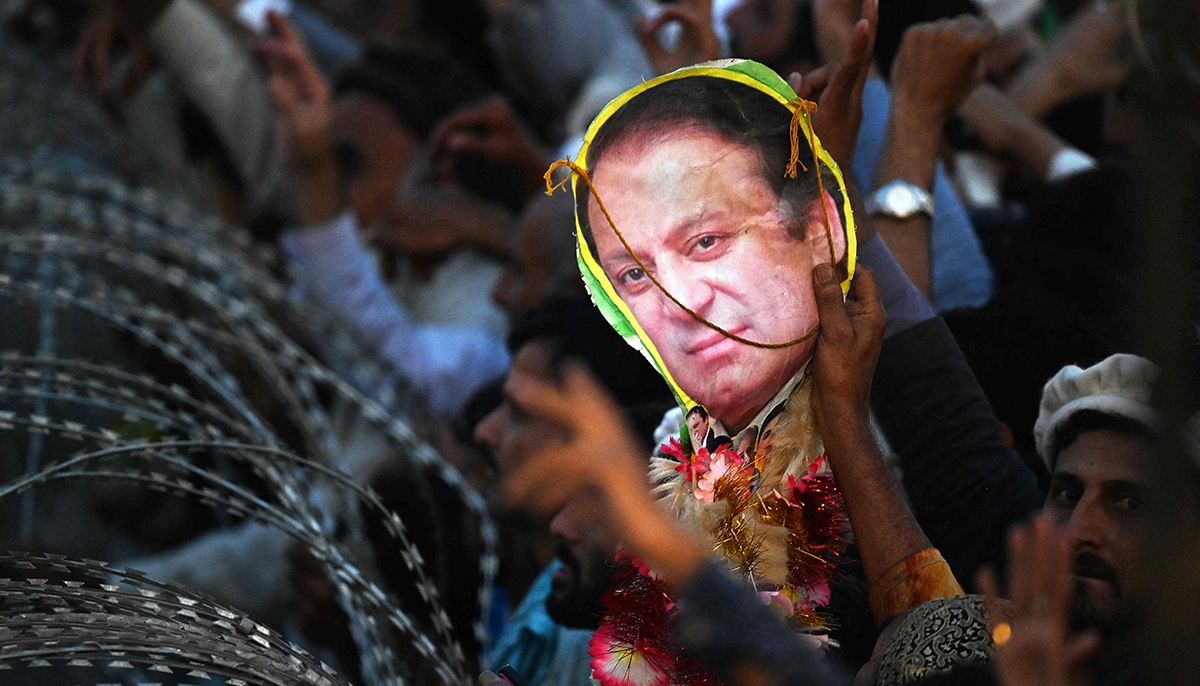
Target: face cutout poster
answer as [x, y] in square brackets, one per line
[698, 244]
[703, 202]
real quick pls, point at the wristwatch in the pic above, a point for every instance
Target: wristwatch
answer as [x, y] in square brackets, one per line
[900, 199]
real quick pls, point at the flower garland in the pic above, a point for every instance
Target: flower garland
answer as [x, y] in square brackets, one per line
[783, 533]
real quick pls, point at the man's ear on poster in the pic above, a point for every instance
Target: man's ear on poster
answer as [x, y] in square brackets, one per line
[816, 233]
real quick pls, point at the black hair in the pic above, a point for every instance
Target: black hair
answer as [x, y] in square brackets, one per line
[577, 330]
[699, 409]
[421, 86]
[738, 113]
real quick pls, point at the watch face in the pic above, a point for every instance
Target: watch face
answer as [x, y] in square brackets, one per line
[901, 201]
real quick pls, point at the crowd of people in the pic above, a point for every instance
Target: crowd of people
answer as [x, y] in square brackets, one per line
[785, 341]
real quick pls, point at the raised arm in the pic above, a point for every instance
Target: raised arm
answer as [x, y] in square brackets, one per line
[1081, 59]
[901, 566]
[444, 363]
[936, 67]
[215, 69]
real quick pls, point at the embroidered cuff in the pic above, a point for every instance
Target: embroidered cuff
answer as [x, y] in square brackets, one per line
[917, 578]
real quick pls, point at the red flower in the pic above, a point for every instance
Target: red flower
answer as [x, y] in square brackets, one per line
[795, 488]
[690, 467]
[673, 448]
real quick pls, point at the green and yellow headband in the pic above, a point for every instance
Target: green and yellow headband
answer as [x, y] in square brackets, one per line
[602, 291]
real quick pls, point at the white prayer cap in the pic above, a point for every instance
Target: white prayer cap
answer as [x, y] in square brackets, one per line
[1120, 385]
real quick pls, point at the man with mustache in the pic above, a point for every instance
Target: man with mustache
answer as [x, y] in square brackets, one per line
[1129, 515]
[692, 174]
[538, 640]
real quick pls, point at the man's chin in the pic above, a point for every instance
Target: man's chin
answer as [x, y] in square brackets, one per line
[572, 610]
[732, 392]
[1095, 604]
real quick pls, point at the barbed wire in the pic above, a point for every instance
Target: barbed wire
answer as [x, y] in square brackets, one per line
[84, 614]
[182, 316]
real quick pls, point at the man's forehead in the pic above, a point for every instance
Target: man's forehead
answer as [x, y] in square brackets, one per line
[1106, 455]
[534, 356]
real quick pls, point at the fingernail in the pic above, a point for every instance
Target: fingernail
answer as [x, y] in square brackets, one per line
[824, 273]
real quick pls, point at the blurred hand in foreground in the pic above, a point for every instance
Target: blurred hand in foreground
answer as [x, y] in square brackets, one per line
[1034, 648]
[598, 449]
[597, 456]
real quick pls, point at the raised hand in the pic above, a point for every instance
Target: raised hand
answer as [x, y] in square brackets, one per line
[697, 41]
[597, 448]
[938, 64]
[1034, 648]
[1080, 60]
[126, 21]
[490, 129]
[834, 22]
[847, 346]
[427, 218]
[300, 94]
[837, 89]
[597, 452]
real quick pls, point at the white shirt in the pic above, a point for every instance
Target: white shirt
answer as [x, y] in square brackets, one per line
[445, 363]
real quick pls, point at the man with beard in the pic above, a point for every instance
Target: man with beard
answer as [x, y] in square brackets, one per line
[1127, 515]
[546, 638]
[584, 552]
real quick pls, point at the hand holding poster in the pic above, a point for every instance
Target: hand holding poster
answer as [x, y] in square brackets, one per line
[703, 203]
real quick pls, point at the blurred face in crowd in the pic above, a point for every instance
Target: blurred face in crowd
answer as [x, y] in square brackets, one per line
[583, 548]
[541, 261]
[762, 30]
[1131, 524]
[373, 150]
[586, 552]
[509, 431]
[698, 212]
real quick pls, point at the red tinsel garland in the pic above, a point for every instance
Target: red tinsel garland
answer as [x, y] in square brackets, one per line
[633, 646]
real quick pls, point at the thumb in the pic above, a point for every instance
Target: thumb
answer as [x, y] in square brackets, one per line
[831, 306]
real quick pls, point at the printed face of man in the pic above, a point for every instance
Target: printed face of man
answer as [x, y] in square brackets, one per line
[697, 211]
[698, 425]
